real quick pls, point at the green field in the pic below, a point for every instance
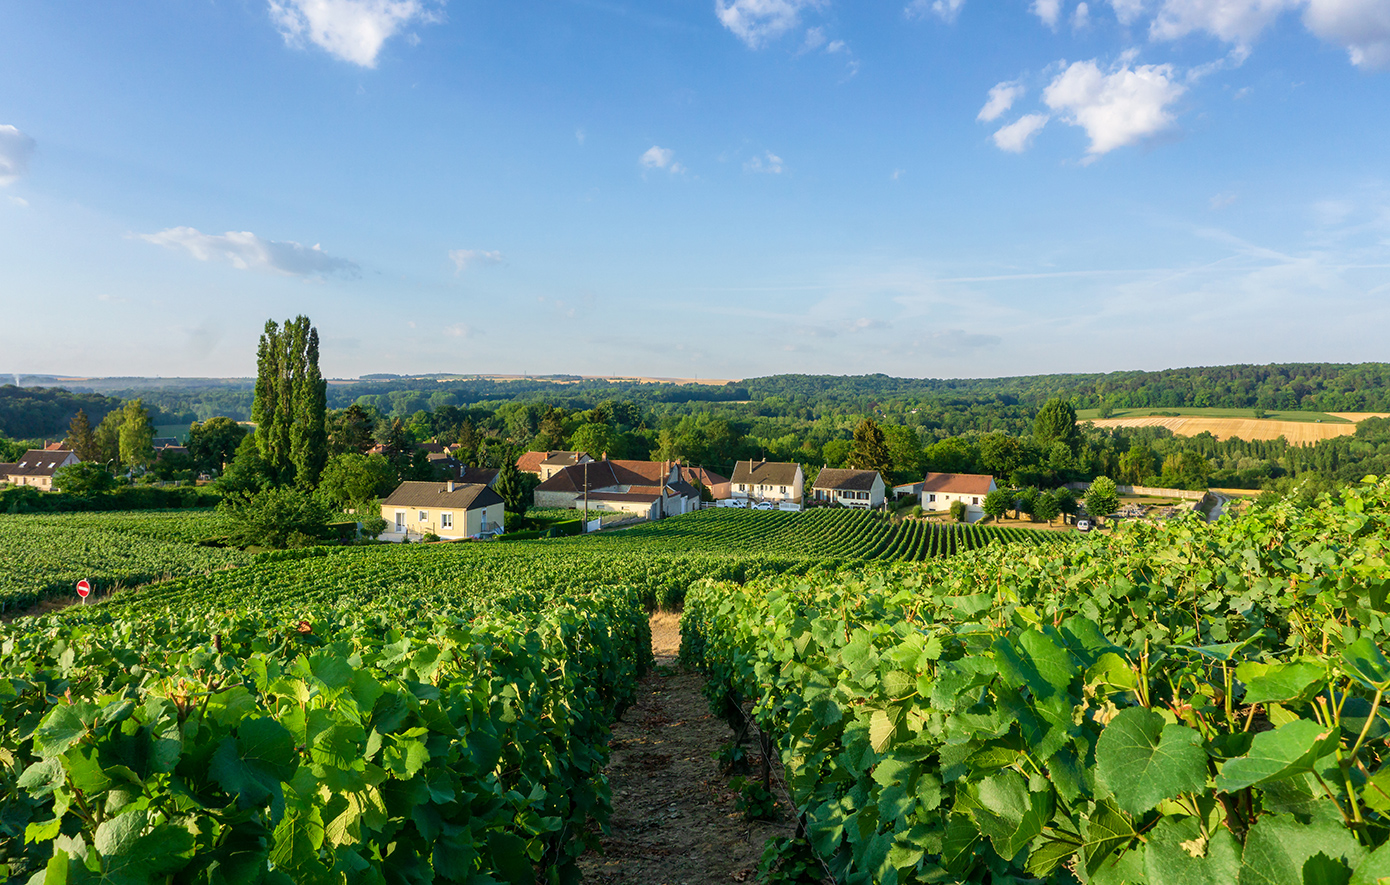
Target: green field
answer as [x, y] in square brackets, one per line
[1321, 417]
[47, 554]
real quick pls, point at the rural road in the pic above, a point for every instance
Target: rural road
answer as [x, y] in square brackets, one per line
[1221, 501]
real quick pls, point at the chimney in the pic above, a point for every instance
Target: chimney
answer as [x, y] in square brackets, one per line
[451, 485]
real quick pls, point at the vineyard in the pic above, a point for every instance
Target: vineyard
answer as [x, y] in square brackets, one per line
[41, 555]
[1175, 704]
[824, 533]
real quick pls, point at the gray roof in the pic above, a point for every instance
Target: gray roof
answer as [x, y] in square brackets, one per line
[846, 479]
[465, 496]
[766, 473]
[40, 462]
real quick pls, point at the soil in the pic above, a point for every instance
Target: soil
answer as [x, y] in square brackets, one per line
[674, 820]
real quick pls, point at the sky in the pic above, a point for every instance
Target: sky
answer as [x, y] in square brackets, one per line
[710, 189]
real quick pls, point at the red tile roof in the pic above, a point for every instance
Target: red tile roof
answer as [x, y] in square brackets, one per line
[957, 483]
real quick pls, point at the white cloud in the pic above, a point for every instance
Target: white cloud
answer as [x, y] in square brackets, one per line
[351, 30]
[1081, 18]
[1048, 11]
[1118, 108]
[769, 163]
[579, 136]
[1016, 136]
[1234, 21]
[815, 38]
[660, 158]
[1221, 200]
[247, 251]
[19, 201]
[757, 21]
[460, 330]
[1127, 11]
[462, 258]
[1001, 97]
[1362, 26]
[836, 46]
[946, 10]
[15, 150]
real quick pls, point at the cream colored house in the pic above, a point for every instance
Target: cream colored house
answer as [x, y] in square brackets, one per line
[37, 466]
[451, 510]
[649, 489]
[547, 464]
[861, 489]
[766, 485]
[939, 490]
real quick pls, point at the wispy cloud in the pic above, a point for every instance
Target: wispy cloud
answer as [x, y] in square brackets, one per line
[1018, 135]
[946, 10]
[15, 150]
[768, 163]
[660, 158]
[1048, 10]
[756, 22]
[351, 30]
[246, 251]
[464, 258]
[1001, 97]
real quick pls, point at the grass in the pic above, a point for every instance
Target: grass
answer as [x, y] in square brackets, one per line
[1323, 417]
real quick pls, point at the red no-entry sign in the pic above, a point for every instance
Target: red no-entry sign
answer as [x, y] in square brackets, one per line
[84, 588]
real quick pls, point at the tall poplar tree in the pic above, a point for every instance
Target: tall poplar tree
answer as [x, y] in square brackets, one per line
[290, 403]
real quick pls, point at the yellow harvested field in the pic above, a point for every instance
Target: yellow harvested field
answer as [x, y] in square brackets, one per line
[1299, 433]
[1360, 416]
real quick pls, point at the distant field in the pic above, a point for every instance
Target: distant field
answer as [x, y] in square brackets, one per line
[1315, 417]
[1299, 428]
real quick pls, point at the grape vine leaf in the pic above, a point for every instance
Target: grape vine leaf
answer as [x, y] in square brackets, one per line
[1179, 855]
[1289, 750]
[1143, 761]
[1278, 847]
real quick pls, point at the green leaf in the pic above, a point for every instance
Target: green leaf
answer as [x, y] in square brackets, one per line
[1007, 813]
[882, 726]
[1365, 663]
[509, 858]
[1278, 846]
[1282, 682]
[252, 765]
[64, 726]
[1143, 761]
[1179, 855]
[1286, 751]
[1374, 869]
[1323, 870]
[1106, 832]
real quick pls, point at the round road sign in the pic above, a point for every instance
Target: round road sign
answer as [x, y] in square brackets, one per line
[84, 588]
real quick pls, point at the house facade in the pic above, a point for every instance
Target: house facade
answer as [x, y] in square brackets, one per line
[766, 485]
[940, 490]
[862, 489]
[451, 510]
[649, 489]
[718, 485]
[37, 466]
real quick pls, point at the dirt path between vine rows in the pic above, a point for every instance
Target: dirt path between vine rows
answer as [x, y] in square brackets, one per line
[674, 821]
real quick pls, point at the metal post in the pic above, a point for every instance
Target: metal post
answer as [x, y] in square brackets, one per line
[586, 497]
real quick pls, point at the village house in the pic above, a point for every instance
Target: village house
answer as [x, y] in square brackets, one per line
[36, 468]
[717, 485]
[649, 489]
[863, 489]
[547, 464]
[766, 485]
[939, 490]
[448, 509]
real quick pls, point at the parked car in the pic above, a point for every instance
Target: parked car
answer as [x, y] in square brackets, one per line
[764, 505]
[1083, 524]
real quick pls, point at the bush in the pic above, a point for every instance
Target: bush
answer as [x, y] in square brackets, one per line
[373, 526]
[958, 511]
[276, 518]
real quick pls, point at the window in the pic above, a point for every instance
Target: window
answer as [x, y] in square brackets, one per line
[424, 516]
[400, 520]
[741, 488]
[446, 520]
[931, 497]
[974, 500]
[784, 490]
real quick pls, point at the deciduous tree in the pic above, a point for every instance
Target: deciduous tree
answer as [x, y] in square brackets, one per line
[870, 449]
[290, 402]
[136, 434]
[1102, 498]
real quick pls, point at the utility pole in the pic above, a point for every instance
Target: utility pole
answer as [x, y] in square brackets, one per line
[586, 497]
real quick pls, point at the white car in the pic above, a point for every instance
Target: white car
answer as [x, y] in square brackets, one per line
[764, 505]
[1083, 525]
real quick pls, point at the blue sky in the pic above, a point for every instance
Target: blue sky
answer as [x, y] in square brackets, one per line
[695, 188]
